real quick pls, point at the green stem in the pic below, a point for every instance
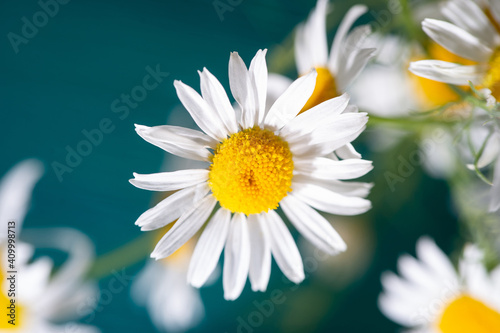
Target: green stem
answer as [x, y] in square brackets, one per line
[411, 27]
[407, 122]
[124, 256]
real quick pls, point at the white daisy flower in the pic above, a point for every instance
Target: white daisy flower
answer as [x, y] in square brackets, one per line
[474, 35]
[173, 304]
[269, 158]
[44, 300]
[337, 70]
[471, 35]
[346, 59]
[432, 297]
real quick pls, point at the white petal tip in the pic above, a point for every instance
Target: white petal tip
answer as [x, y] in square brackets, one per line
[230, 297]
[195, 284]
[259, 288]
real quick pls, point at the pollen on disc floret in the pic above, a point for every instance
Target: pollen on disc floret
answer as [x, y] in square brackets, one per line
[251, 171]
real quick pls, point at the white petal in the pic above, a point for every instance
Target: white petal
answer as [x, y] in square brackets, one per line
[209, 248]
[260, 254]
[242, 89]
[395, 312]
[311, 49]
[283, 247]
[169, 181]
[474, 274]
[258, 73]
[347, 151]
[491, 150]
[291, 102]
[276, 85]
[337, 58]
[236, 258]
[329, 136]
[446, 72]
[456, 40]
[470, 17]
[312, 225]
[416, 273]
[172, 207]
[357, 62]
[353, 46]
[180, 141]
[204, 116]
[185, 228]
[307, 122]
[15, 192]
[213, 92]
[429, 253]
[301, 45]
[350, 189]
[325, 168]
[328, 201]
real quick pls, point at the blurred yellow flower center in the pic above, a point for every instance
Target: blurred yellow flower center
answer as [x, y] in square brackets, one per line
[325, 89]
[492, 79]
[251, 171]
[468, 315]
[5, 303]
[433, 93]
[180, 257]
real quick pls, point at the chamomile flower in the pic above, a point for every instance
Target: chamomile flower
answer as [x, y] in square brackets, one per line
[172, 304]
[471, 35]
[336, 69]
[265, 159]
[474, 35]
[432, 297]
[45, 302]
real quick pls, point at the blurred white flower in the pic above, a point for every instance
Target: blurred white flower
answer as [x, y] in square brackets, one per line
[256, 160]
[15, 193]
[162, 287]
[432, 297]
[45, 301]
[336, 70]
[471, 35]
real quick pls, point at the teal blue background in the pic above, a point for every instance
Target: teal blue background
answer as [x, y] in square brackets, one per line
[64, 80]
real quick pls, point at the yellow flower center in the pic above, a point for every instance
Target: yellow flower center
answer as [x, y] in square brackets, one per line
[6, 304]
[492, 79]
[324, 90]
[466, 315]
[251, 171]
[433, 93]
